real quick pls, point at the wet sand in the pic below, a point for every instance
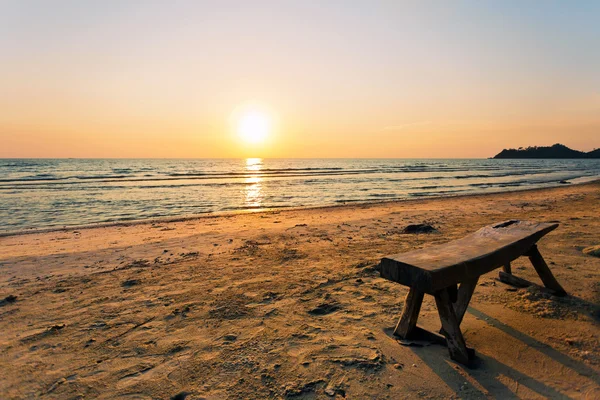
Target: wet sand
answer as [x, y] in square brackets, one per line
[289, 304]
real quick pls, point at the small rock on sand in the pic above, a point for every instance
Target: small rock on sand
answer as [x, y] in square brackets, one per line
[324, 309]
[130, 283]
[593, 251]
[419, 228]
[180, 396]
[8, 300]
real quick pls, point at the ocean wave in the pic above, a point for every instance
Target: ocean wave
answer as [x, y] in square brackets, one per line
[90, 177]
[40, 177]
[383, 195]
[303, 169]
[353, 200]
[437, 193]
[270, 172]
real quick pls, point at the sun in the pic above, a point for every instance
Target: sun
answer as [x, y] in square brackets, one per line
[253, 126]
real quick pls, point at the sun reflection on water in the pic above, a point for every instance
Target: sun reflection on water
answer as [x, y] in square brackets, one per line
[253, 188]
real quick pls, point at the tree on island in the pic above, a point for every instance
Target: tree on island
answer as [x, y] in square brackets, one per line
[555, 151]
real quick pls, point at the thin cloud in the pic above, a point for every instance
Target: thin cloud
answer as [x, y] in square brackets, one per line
[404, 126]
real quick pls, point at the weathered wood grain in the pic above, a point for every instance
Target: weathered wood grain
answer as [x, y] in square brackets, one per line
[544, 272]
[512, 280]
[450, 327]
[436, 267]
[515, 281]
[410, 314]
[465, 292]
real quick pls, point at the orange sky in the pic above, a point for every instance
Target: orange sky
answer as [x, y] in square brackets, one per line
[339, 80]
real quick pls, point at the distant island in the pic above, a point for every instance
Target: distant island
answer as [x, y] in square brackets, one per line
[555, 151]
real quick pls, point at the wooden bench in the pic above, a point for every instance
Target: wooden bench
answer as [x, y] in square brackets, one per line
[437, 270]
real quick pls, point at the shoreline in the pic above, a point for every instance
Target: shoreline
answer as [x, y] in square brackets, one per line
[218, 214]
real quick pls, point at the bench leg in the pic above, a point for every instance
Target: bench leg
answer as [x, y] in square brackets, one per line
[544, 272]
[507, 268]
[465, 292]
[463, 297]
[450, 325]
[410, 313]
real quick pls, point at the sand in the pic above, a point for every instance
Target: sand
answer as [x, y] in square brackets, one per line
[290, 304]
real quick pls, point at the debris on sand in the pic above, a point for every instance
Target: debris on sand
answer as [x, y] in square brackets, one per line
[324, 309]
[141, 263]
[297, 390]
[542, 303]
[180, 396]
[130, 283]
[230, 337]
[191, 254]
[269, 297]
[47, 332]
[419, 228]
[593, 251]
[8, 300]
[372, 362]
[332, 392]
[336, 388]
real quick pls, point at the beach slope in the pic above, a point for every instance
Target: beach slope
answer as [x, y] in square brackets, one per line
[289, 304]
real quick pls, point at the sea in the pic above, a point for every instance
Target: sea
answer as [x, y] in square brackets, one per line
[49, 193]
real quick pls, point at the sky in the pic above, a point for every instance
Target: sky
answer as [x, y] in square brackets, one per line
[409, 79]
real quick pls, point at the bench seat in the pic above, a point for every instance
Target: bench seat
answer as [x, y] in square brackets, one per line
[436, 267]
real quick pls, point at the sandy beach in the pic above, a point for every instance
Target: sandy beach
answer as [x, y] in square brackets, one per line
[289, 304]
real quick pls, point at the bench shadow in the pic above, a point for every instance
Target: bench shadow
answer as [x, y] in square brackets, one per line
[483, 375]
[451, 374]
[543, 348]
[480, 380]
